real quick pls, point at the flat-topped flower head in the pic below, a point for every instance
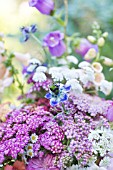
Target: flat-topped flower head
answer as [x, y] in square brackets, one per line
[54, 41]
[44, 6]
[58, 93]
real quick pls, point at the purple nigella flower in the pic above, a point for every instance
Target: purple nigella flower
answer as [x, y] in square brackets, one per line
[55, 44]
[84, 46]
[44, 6]
[58, 93]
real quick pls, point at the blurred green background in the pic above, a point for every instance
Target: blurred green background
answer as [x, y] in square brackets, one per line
[16, 13]
[82, 13]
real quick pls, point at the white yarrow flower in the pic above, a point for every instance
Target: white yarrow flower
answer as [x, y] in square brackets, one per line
[34, 61]
[105, 161]
[72, 59]
[106, 87]
[84, 64]
[75, 86]
[39, 77]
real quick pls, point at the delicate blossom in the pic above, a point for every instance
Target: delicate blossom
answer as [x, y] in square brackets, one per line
[54, 41]
[34, 138]
[58, 93]
[45, 6]
[26, 31]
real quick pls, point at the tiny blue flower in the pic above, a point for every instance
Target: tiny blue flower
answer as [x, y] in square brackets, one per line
[26, 31]
[57, 94]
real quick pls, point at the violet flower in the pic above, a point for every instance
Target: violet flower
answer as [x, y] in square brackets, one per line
[109, 115]
[54, 41]
[45, 163]
[44, 6]
[84, 46]
[58, 93]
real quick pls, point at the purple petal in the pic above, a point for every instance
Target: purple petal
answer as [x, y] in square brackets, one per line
[109, 115]
[48, 96]
[58, 50]
[44, 6]
[84, 46]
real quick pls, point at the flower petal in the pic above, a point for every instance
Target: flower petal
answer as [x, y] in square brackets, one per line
[67, 87]
[53, 102]
[63, 98]
[48, 96]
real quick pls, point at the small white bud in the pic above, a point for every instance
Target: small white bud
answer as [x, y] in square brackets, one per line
[91, 38]
[90, 54]
[101, 42]
[105, 34]
[107, 61]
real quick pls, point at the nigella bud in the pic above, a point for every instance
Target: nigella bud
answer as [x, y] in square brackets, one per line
[44, 6]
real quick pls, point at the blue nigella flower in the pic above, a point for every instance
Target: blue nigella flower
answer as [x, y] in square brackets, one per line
[26, 31]
[57, 94]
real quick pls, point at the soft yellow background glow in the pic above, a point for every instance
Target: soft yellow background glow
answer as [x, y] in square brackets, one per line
[15, 14]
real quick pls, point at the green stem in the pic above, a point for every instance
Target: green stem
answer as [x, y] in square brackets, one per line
[44, 50]
[63, 107]
[66, 15]
[66, 22]
[20, 85]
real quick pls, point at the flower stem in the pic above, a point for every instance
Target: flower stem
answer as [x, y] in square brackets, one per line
[66, 15]
[66, 23]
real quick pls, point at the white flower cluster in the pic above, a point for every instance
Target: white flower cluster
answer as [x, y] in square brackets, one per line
[102, 140]
[35, 65]
[86, 76]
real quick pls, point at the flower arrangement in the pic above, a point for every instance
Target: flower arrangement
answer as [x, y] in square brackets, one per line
[62, 123]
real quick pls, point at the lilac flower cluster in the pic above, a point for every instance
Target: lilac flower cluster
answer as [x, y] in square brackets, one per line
[40, 85]
[15, 131]
[51, 139]
[32, 133]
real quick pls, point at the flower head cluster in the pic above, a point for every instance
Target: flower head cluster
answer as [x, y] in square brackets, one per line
[71, 136]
